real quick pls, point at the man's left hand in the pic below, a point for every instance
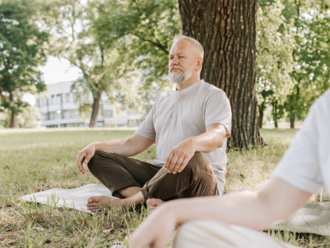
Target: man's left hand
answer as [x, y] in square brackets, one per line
[180, 156]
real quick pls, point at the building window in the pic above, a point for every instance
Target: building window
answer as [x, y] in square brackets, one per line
[108, 113]
[73, 114]
[58, 99]
[52, 100]
[67, 98]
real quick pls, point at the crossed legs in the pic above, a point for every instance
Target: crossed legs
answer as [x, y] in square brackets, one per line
[135, 181]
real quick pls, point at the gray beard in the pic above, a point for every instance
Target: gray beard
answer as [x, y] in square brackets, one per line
[179, 77]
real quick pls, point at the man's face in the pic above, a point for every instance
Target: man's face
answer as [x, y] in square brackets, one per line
[182, 61]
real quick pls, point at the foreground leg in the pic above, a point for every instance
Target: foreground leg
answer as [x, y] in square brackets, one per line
[214, 234]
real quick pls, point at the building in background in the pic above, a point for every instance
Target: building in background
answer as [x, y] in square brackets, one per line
[58, 108]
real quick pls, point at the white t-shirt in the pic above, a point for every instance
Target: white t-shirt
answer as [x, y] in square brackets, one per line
[185, 114]
[306, 164]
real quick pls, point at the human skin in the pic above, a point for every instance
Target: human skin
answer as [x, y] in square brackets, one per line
[257, 210]
[182, 55]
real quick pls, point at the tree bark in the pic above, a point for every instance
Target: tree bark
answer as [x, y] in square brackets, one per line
[227, 31]
[95, 110]
[13, 115]
[13, 120]
[261, 117]
[292, 122]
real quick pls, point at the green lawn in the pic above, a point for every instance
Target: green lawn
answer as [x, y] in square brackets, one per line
[36, 161]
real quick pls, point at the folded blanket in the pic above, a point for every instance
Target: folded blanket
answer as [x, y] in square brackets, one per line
[312, 218]
[70, 198]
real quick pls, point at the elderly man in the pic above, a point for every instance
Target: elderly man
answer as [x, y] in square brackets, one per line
[228, 221]
[190, 127]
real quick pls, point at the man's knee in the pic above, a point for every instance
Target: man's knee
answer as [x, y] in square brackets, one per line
[198, 162]
[99, 158]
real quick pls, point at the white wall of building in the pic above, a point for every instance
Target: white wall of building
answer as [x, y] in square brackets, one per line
[58, 107]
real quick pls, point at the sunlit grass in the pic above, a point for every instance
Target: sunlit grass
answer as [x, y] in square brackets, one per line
[37, 161]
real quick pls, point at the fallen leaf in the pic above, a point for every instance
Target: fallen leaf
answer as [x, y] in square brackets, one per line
[227, 175]
[242, 176]
[39, 229]
[108, 231]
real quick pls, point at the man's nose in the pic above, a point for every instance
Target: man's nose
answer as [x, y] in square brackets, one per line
[174, 62]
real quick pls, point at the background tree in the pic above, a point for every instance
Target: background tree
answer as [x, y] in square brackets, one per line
[311, 53]
[21, 52]
[145, 30]
[227, 31]
[275, 44]
[76, 39]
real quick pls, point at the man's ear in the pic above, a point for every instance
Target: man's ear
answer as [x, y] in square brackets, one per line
[199, 63]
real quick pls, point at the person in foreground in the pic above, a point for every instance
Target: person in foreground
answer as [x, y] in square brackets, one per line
[231, 221]
[190, 127]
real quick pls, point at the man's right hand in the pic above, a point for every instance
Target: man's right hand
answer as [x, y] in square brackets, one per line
[84, 156]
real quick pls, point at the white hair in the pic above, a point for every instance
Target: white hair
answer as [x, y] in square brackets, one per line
[194, 42]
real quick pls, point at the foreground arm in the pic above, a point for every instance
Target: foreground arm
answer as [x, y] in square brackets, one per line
[127, 147]
[180, 155]
[256, 210]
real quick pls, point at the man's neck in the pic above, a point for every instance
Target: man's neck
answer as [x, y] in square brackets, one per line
[187, 83]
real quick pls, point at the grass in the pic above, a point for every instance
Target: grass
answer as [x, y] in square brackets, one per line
[37, 161]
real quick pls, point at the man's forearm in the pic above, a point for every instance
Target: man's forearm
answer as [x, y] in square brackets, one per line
[209, 141]
[127, 147]
[119, 146]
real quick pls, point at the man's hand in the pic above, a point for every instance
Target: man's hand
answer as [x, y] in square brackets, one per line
[156, 230]
[180, 156]
[85, 156]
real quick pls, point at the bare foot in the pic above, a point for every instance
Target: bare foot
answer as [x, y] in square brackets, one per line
[154, 203]
[97, 203]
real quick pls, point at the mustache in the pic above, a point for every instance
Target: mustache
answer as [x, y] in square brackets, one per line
[175, 67]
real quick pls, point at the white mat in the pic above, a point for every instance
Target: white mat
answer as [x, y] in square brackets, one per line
[312, 218]
[70, 198]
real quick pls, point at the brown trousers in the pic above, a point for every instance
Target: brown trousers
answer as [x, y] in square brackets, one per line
[118, 172]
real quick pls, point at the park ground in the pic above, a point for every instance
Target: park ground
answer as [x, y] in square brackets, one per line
[35, 161]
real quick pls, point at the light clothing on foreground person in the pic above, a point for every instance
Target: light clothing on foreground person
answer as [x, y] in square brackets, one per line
[229, 221]
[189, 126]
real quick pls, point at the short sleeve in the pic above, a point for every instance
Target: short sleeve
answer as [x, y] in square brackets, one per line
[307, 161]
[146, 129]
[218, 110]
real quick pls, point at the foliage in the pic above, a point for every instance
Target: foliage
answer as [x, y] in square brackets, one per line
[311, 53]
[145, 30]
[75, 39]
[292, 56]
[274, 58]
[21, 52]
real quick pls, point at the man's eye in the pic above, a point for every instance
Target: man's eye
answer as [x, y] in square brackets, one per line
[181, 57]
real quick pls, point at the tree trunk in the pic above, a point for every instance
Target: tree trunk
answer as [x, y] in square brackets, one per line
[292, 122]
[95, 111]
[13, 120]
[227, 31]
[13, 115]
[261, 117]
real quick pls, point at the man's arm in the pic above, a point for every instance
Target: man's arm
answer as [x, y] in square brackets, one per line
[256, 210]
[127, 147]
[180, 155]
